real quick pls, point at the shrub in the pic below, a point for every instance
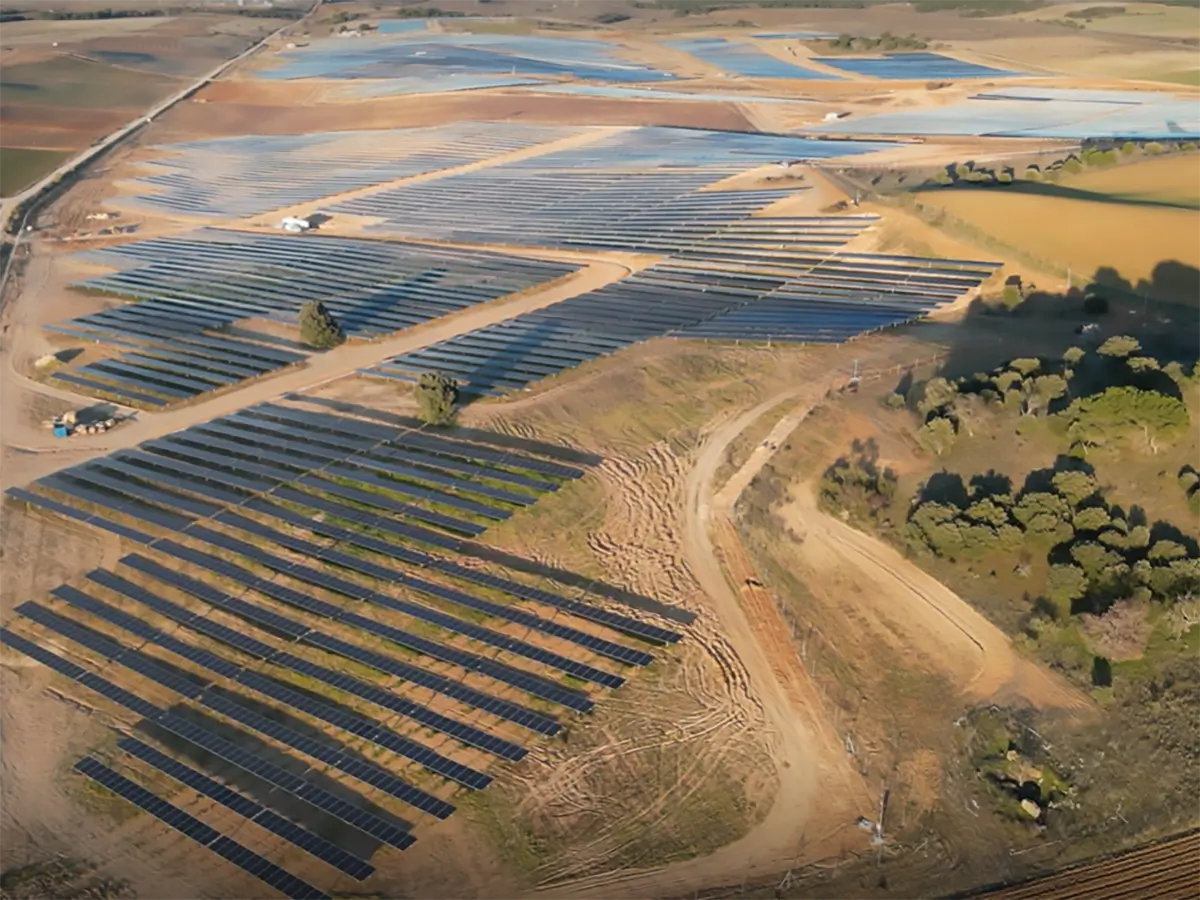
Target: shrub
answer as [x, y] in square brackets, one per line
[1153, 148]
[436, 395]
[1075, 486]
[1119, 346]
[1128, 147]
[1072, 166]
[1188, 479]
[1093, 518]
[1032, 173]
[1187, 146]
[1072, 355]
[1011, 298]
[942, 177]
[318, 328]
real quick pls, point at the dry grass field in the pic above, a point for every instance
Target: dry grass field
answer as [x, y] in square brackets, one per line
[1130, 218]
[64, 84]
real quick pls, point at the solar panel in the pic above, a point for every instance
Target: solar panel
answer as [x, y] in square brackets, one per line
[79, 515]
[410, 673]
[248, 809]
[532, 684]
[189, 826]
[225, 705]
[228, 751]
[426, 614]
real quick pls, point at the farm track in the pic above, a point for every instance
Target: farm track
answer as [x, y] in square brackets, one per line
[1169, 870]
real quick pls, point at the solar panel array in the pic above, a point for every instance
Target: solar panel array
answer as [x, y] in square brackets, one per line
[912, 66]
[785, 280]
[306, 592]
[255, 174]
[433, 56]
[745, 59]
[189, 286]
[174, 358]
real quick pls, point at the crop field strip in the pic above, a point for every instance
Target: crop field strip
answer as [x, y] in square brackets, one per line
[717, 292]
[215, 278]
[270, 660]
[251, 175]
[1165, 870]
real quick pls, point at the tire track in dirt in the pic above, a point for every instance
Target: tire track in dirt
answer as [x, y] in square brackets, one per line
[638, 543]
[932, 618]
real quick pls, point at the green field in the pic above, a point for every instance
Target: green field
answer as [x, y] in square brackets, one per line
[22, 166]
[68, 82]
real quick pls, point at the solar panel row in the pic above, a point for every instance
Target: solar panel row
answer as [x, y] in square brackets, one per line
[223, 749]
[194, 688]
[269, 873]
[468, 735]
[248, 809]
[504, 709]
[352, 723]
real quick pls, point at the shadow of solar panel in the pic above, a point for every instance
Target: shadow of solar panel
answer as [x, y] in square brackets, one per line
[191, 827]
[249, 809]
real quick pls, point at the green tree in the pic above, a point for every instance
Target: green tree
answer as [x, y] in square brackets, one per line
[1092, 557]
[1041, 391]
[318, 328]
[1075, 486]
[1065, 584]
[938, 393]
[1093, 518]
[1037, 503]
[436, 395]
[1143, 364]
[1006, 381]
[1106, 418]
[1128, 147]
[1165, 549]
[1072, 355]
[935, 525]
[1011, 298]
[1026, 365]
[936, 436]
[988, 513]
[1119, 346]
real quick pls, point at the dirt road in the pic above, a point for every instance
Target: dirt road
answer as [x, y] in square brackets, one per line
[819, 795]
[39, 454]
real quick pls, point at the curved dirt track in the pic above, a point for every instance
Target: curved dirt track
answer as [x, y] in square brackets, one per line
[932, 619]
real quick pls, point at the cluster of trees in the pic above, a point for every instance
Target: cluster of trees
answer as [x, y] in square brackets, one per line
[1096, 12]
[1097, 552]
[857, 487]
[1095, 156]
[1111, 396]
[886, 42]
[976, 9]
